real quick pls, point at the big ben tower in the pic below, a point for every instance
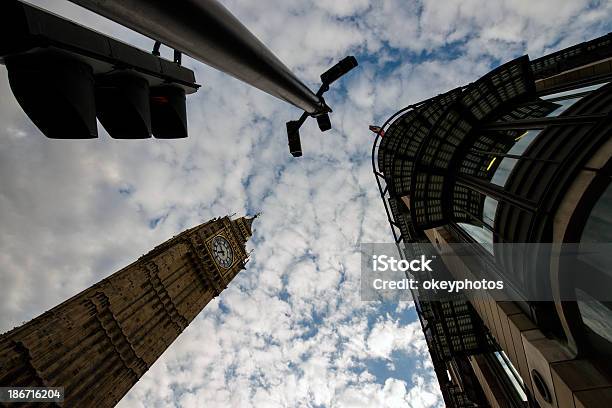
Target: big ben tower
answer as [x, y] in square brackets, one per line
[98, 343]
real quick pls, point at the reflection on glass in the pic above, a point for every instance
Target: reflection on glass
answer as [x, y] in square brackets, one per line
[512, 374]
[503, 171]
[488, 211]
[568, 98]
[574, 91]
[564, 104]
[595, 315]
[598, 227]
[479, 234]
[507, 164]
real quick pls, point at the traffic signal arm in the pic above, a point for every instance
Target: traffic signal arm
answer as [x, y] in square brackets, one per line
[26, 29]
[65, 76]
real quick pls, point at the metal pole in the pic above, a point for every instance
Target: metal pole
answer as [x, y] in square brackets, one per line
[208, 32]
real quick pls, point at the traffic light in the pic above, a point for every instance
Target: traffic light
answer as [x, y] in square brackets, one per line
[65, 75]
[122, 103]
[168, 112]
[293, 134]
[57, 94]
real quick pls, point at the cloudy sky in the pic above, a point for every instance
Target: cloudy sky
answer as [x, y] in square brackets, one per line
[291, 329]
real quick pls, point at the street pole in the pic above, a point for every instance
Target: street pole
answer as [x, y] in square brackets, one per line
[208, 32]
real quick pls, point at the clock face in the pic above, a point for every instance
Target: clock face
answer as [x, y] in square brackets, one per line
[222, 252]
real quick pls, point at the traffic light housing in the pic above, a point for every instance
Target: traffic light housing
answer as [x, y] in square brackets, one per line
[64, 75]
[168, 112]
[293, 134]
[57, 94]
[122, 103]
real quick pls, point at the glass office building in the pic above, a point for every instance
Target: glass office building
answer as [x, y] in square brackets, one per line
[522, 155]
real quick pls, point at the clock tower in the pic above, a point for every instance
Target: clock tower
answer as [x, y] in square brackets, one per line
[97, 344]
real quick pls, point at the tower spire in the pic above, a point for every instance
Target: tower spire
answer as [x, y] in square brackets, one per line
[250, 220]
